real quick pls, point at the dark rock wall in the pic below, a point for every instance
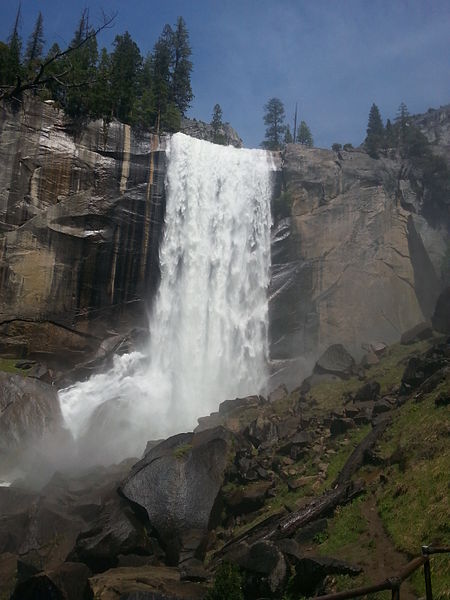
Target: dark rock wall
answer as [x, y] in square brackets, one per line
[81, 215]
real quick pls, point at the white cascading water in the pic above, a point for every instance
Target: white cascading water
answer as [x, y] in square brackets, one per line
[208, 328]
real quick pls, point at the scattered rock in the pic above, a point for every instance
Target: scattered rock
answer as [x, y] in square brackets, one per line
[297, 442]
[420, 368]
[288, 427]
[369, 391]
[261, 430]
[247, 499]
[341, 425]
[295, 484]
[421, 331]
[379, 348]
[336, 360]
[380, 407]
[369, 359]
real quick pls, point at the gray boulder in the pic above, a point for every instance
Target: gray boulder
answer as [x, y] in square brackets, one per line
[336, 360]
[177, 484]
[421, 331]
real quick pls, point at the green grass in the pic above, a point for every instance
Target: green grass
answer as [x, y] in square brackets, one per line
[182, 450]
[345, 529]
[413, 503]
[8, 365]
[338, 460]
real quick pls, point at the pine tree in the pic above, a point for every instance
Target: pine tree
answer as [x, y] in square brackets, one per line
[162, 55]
[274, 120]
[375, 132]
[144, 111]
[82, 70]
[101, 96]
[35, 45]
[304, 135]
[217, 126]
[180, 88]
[13, 72]
[216, 122]
[126, 64]
[288, 135]
[402, 115]
[390, 137]
[53, 89]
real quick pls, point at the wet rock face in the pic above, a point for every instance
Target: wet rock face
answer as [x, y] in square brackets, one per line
[351, 263]
[80, 219]
[30, 416]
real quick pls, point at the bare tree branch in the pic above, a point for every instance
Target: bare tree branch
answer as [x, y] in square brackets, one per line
[39, 80]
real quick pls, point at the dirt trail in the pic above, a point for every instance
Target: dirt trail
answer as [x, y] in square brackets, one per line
[384, 560]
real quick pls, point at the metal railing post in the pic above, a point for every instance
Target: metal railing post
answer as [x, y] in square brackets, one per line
[396, 593]
[426, 550]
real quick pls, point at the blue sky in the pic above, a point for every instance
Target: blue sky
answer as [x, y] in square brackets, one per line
[335, 57]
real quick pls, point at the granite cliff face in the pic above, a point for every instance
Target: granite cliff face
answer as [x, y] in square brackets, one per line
[80, 217]
[354, 260]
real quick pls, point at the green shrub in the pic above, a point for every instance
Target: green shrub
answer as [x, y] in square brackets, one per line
[227, 584]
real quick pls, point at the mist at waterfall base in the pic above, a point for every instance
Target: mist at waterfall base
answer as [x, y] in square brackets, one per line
[209, 324]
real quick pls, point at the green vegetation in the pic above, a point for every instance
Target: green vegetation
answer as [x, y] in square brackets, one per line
[217, 126]
[152, 92]
[375, 131]
[182, 450]
[227, 584]
[304, 135]
[345, 530]
[338, 460]
[8, 365]
[275, 127]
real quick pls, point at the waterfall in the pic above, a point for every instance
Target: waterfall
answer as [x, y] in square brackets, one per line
[208, 327]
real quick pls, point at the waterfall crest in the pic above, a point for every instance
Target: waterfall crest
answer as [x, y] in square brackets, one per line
[208, 327]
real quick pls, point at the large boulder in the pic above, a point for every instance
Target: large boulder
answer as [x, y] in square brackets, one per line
[115, 532]
[177, 484]
[264, 568]
[421, 331]
[336, 360]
